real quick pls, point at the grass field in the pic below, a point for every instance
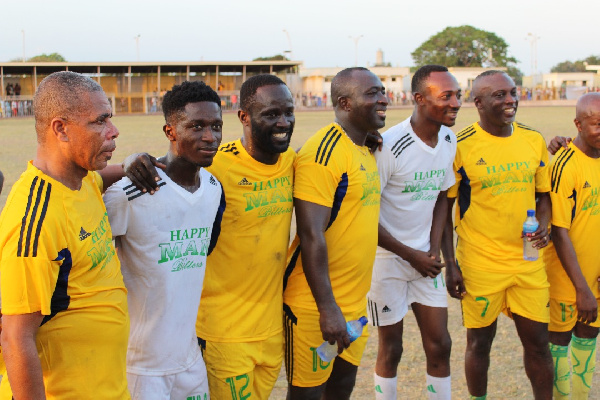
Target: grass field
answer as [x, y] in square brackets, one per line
[507, 378]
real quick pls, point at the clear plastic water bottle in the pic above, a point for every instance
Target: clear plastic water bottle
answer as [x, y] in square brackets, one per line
[530, 225]
[328, 352]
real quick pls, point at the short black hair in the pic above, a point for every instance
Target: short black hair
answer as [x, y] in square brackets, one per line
[421, 75]
[339, 83]
[252, 84]
[475, 87]
[179, 96]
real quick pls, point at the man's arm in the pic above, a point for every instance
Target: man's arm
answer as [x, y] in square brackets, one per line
[139, 167]
[454, 279]
[20, 355]
[110, 174]
[557, 142]
[438, 223]
[312, 220]
[587, 306]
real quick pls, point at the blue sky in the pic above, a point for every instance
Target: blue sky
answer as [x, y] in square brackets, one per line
[319, 31]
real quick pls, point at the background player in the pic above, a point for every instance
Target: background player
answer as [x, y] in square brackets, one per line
[336, 195]
[240, 320]
[574, 268]
[415, 170]
[163, 242]
[500, 168]
[65, 321]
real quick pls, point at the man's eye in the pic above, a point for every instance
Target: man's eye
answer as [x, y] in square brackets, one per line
[217, 127]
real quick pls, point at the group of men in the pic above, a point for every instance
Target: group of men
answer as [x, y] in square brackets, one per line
[217, 217]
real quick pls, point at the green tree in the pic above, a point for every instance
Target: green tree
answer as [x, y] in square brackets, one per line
[276, 57]
[577, 66]
[53, 57]
[464, 46]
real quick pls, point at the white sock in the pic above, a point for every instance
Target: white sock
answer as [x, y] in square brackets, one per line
[439, 388]
[385, 388]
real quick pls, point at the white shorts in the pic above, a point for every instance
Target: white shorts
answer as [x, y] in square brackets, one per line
[396, 285]
[189, 384]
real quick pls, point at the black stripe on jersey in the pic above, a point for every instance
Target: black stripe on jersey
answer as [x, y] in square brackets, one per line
[332, 147]
[374, 315]
[574, 196]
[558, 169]
[400, 141]
[400, 150]
[139, 192]
[527, 128]
[559, 158]
[41, 220]
[466, 131]
[60, 298]
[338, 198]
[467, 134]
[329, 132]
[216, 229]
[289, 320]
[24, 220]
[38, 198]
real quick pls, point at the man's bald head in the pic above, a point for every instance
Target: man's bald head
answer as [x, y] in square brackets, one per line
[60, 95]
[481, 82]
[587, 105]
[342, 84]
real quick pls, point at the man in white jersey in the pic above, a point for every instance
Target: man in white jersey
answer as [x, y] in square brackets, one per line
[163, 242]
[415, 170]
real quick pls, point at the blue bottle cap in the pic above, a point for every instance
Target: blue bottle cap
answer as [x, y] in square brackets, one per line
[530, 213]
[363, 320]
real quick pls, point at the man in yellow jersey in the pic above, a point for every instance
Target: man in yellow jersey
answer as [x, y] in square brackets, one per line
[336, 195]
[573, 262]
[240, 322]
[65, 321]
[500, 169]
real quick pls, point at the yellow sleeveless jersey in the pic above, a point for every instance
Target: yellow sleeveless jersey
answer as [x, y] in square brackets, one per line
[57, 257]
[575, 180]
[497, 178]
[243, 286]
[333, 172]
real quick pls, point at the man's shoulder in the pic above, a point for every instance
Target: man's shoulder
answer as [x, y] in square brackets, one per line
[323, 146]
[465, 136]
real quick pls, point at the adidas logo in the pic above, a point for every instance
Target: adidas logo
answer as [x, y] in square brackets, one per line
[244, 182]
[586, 185]
[386, 309]
[212, 180]
[447, 139]
[83, 234]
[378, 389]
[362, 168]
[481, 162]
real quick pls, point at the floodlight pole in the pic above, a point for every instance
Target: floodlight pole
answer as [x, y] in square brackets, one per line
[533, 38]
[356, 39]
[23, 32]
[287, 34]
[137, 46]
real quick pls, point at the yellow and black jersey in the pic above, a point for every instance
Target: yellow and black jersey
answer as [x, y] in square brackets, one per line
[242, 294]
[497, 178]
[575, 180]
[334, 172]
[57, 258]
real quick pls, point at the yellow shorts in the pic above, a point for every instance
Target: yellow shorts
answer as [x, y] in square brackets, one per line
[563, 316]
[303, 335]
[243, 370]
[489, 293]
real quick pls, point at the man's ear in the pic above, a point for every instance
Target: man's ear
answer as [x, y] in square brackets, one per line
[58, 126]
[344, 103]
[419, 98]
[577, 124]
[170, 132]
[244, 117]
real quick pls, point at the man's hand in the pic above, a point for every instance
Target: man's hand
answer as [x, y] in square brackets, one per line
[141, 169]
[540, 238]
[425, 263]
[587, 306]
[454, 282]
[374, 141]
[333, 327]
[557, 142]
